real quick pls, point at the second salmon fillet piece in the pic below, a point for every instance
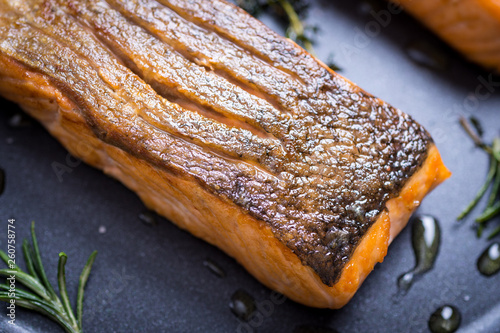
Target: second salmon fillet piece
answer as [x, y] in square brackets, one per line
[227, 129]
[470, 26]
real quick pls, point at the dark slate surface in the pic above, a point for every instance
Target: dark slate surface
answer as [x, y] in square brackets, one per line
[152, 279]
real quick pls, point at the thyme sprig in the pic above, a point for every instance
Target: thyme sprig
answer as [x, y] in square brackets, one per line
[39, 294]
[492, 180]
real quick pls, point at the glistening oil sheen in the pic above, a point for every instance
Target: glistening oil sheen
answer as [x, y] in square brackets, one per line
[426, 237]
[489, 262]
[445, 319]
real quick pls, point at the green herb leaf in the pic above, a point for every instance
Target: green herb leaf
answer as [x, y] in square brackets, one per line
[496, 149]
[495, 233]
[477, 125]
[482, 190]
[492, 179]
[296, 27]
[81, 286]
[39, 295]
[38, 263]
[29, 281]
[28, 258]
[495, 189]
[61, 279]
[489, 213]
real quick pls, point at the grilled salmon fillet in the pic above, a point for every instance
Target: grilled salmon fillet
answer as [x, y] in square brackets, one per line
[470, 26]
[227, 129]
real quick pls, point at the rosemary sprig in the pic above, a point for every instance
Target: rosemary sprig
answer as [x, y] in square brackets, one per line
[482, 190]
[39, 294]
[492, 181]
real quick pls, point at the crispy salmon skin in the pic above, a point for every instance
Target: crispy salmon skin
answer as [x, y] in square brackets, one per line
[227, 129]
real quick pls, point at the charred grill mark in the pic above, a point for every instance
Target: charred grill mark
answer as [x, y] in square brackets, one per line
[211, 51]
[228, 141]
[252, 35]
[173, 76]
[302, 101]
[114, 120]
[185, 10]
[318, 174]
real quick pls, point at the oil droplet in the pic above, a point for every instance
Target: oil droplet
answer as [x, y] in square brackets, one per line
[102, 229]
[405, 281]
[446, 319]
[214, 268]
[242, 305]
[489, 262]
[428, 55]
[313, 329]
[2, 181]
[426, 237]
[148, 218]
[20, 120]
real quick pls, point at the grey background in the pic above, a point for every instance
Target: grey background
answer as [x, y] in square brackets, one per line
[152, 279]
